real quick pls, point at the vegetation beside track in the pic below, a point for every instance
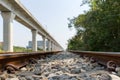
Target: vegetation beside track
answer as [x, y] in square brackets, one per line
[20, 49]
[1, 49]
[97, 29]
[23, 49]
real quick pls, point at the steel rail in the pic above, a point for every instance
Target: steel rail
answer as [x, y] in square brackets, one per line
[12, 61]
[111, 60]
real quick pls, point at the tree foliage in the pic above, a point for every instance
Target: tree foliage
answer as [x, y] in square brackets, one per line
[99, 28]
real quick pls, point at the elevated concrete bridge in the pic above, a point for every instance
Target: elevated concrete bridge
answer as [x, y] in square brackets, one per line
[14, 10]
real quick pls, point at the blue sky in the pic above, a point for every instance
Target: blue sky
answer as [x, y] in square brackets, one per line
[52, 14]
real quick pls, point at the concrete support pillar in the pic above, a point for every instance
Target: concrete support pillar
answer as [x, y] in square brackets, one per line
[44, 43]
[49, 45]
[54, 47]
[8, 18]
[34, 40]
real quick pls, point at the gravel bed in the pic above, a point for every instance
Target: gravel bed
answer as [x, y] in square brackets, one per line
[62, 66]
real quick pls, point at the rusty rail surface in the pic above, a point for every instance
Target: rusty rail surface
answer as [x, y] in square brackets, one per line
[12, 61]
[109, 59]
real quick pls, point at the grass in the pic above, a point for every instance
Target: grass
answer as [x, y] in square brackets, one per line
[21, 49]
[0, 48]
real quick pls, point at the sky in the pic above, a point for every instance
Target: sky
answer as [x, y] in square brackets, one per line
[52, 14]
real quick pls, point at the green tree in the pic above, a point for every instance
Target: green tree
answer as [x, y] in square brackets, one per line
[100, 26]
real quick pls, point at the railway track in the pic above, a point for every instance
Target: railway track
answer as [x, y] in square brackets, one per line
[111, 60]
[12, 61]
[62, 65]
